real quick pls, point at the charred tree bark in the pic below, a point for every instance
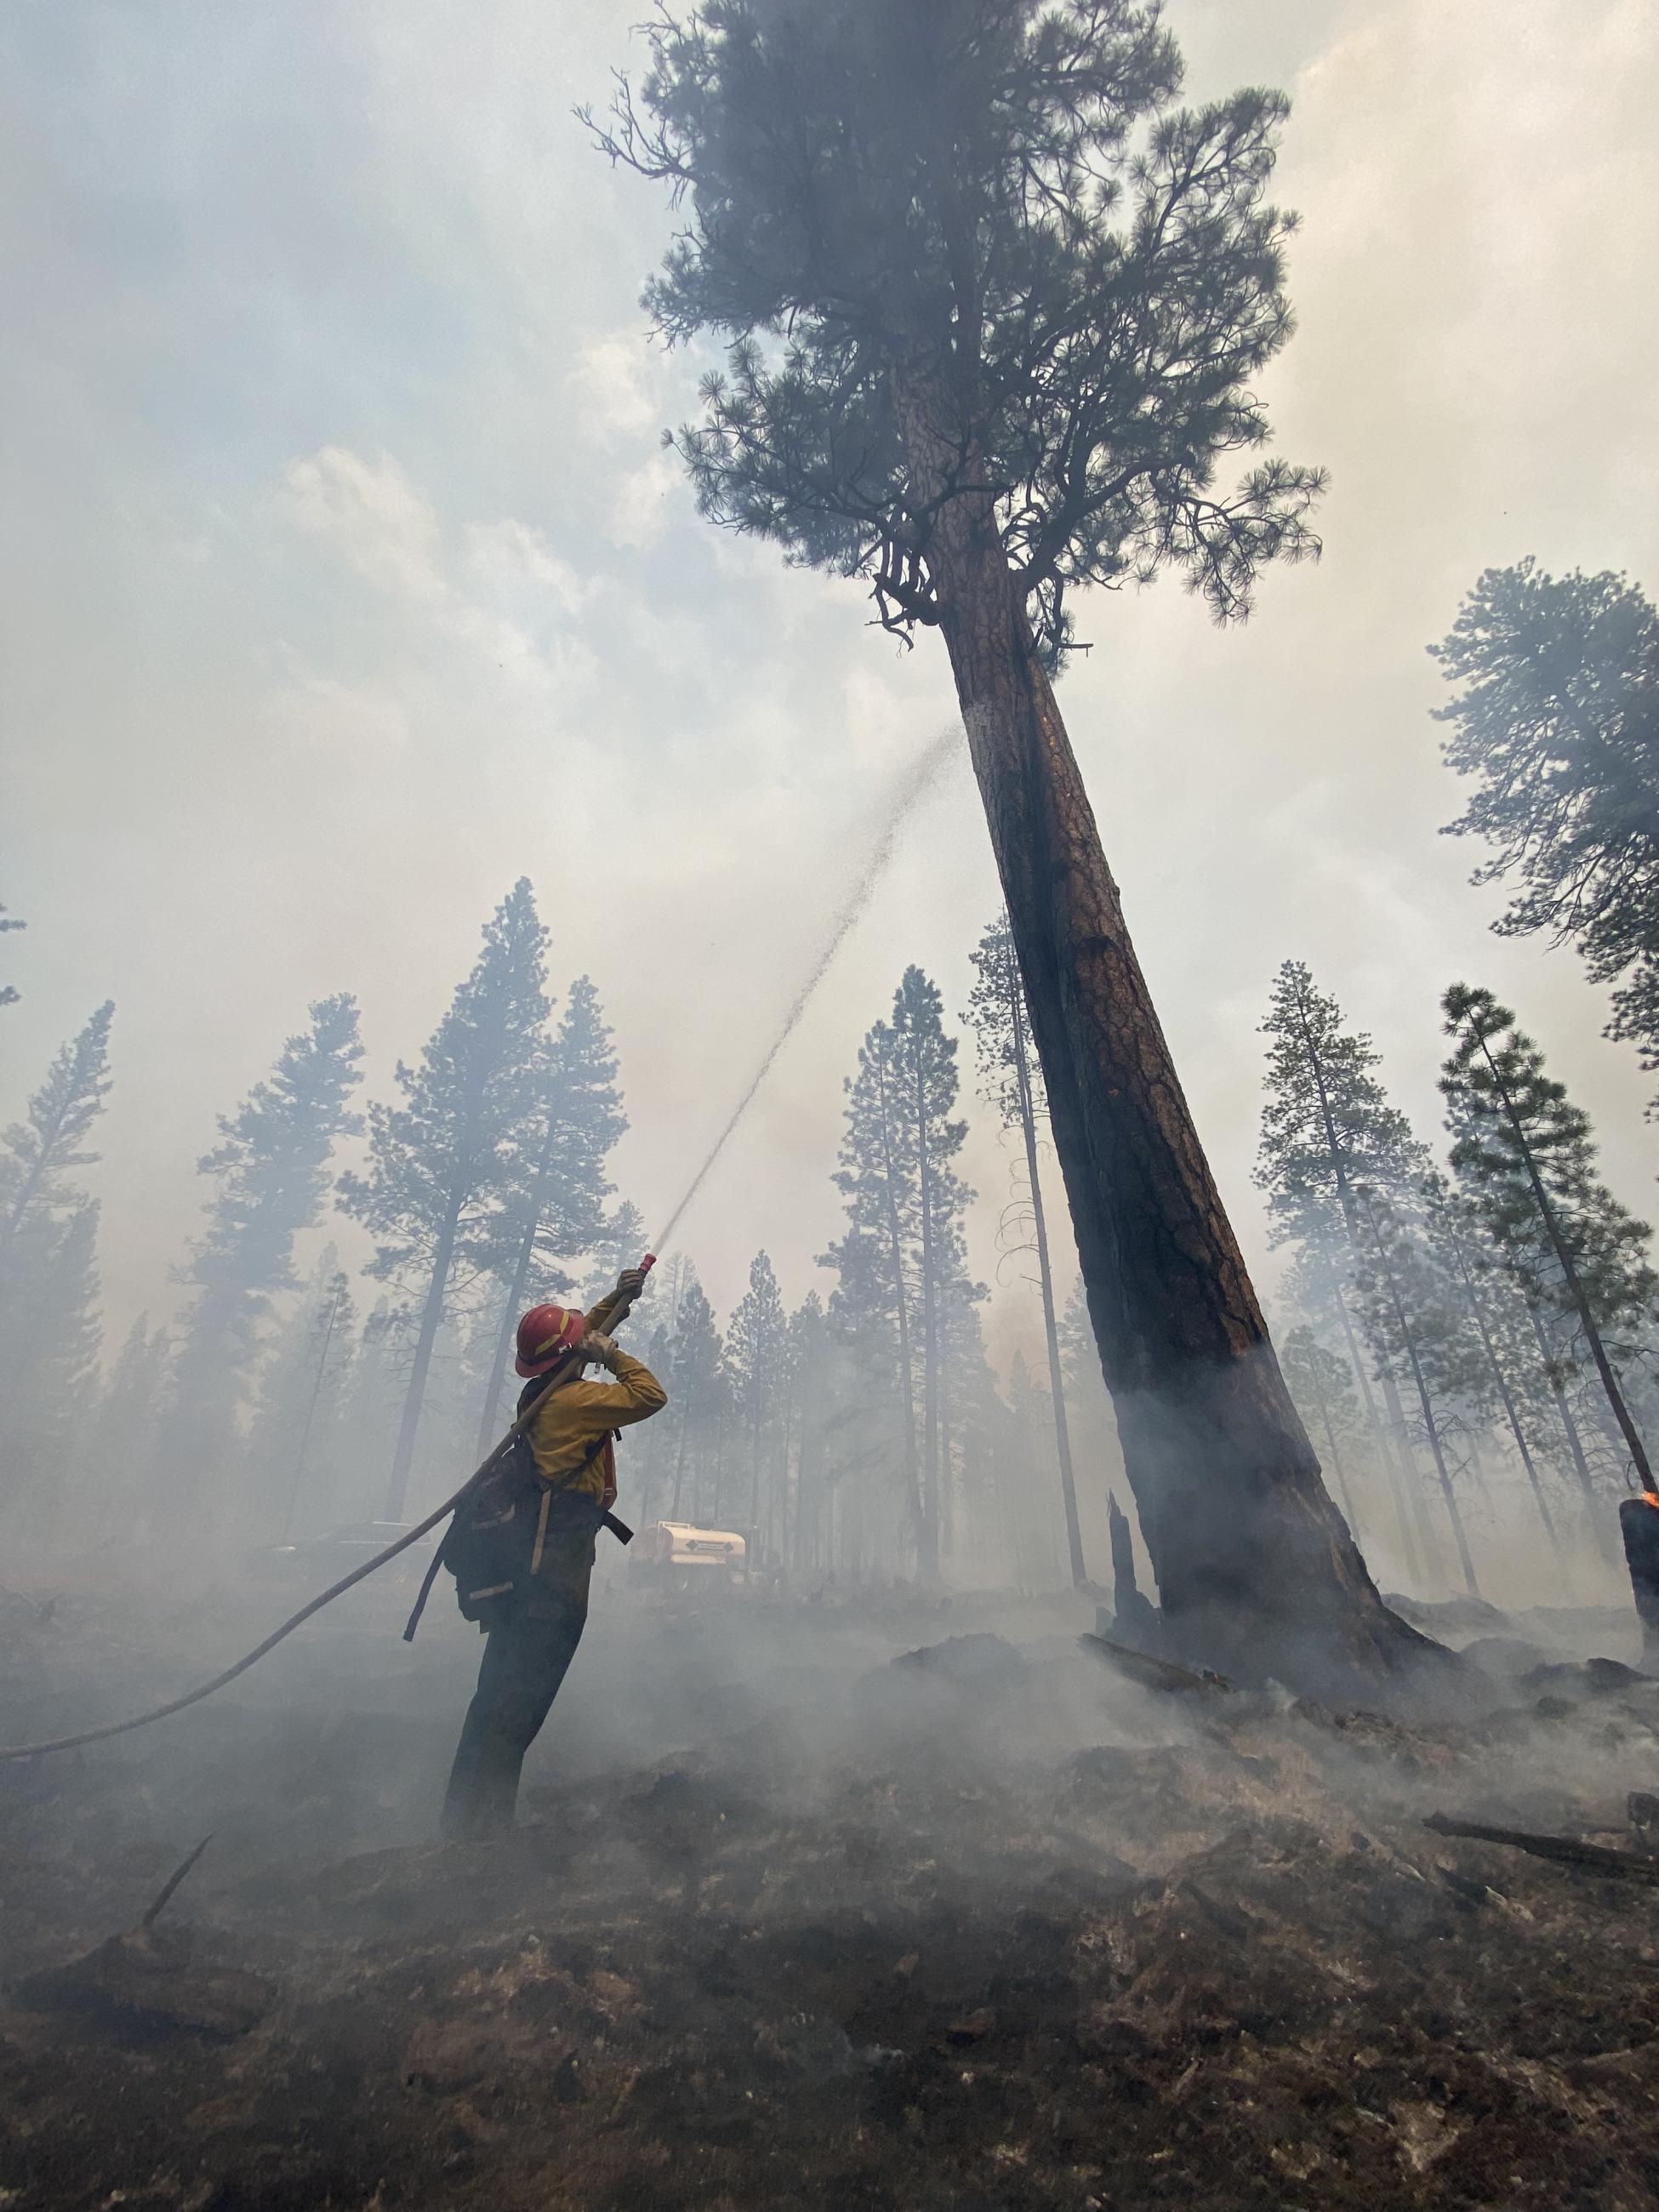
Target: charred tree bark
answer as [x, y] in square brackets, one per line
[1255, 1568]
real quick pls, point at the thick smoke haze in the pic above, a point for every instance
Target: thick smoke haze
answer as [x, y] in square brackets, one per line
[344, 580]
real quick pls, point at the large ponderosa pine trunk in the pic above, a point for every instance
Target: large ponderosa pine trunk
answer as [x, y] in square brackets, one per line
[1256, 1571]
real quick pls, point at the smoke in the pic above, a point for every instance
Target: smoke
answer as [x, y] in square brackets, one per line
[917, 781]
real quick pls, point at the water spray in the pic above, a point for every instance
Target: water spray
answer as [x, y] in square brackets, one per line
[917, 780]
[912, 788]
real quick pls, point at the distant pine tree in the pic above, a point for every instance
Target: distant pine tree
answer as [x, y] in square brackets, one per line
[297, 1422]
[1525, 1155]
[699, 1391]
[1415, 1320]
[901, 1264]
[49, 1363]
[620, 1243]
[1321, 1382]
[269, 1173]
[1012, 1083]
[40, 1153]
[121, 1444]
[446, 1161]
[553, 1209]
[49, 1332]
[1330, 1131]
[757, 1353]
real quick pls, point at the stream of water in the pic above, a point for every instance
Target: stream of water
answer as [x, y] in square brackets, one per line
[917, 781]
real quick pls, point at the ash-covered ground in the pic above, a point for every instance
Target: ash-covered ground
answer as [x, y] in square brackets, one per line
[790, 1923]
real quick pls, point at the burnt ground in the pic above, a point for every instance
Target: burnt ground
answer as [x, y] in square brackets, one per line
[789, 1924]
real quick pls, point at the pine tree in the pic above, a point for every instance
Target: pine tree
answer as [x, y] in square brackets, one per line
[1012, 1083]
[271, 1175]
[698, 1390]
[49, 1333]
[872, 1305]
[991, 1539]
[995, 309]
[757, 1351]
[41, 1151]
[121, 1441]
[811, 1393]
[378, 1383]
[1502, 1379]
[554, 1208]
[1415, 1320]
[901, 1265]
[306, 1382]
[1329, 1132]
[924, 1063]
[443, 1163]
[620, 1243]
[49, 1344]
[1030, 1484]
[1559, 719]
[1526, 1157]
[8, 991]
[1321, 1382]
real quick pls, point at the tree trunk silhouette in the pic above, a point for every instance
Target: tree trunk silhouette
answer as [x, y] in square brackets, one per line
[431, 1315]
[1425, 1404]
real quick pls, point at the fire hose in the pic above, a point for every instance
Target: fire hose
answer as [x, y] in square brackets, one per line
[565, 1371]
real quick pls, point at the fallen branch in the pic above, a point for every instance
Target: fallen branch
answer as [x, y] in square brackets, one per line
[172, 1883]
[1600, 1858]
[1155, 1674]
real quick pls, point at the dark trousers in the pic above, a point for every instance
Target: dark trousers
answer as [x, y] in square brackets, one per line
[1639, 1524]
[524, 1661]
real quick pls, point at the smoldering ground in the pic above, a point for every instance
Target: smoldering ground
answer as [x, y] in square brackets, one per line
[796, 1917]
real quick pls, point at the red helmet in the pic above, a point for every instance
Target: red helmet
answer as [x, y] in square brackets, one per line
[545, 1334]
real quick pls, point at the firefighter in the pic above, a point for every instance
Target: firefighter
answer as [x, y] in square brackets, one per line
[533, 1636]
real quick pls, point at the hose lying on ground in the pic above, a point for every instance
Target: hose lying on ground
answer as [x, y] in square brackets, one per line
[327, 1597]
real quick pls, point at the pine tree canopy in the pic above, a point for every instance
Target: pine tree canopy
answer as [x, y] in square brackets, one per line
[271, 1162]
[1001, 199]
[1512, 1122]
[441, 1161]
[996, 1014]
[585, 1119]
[1559, 719]
[1327, 1125]
[42, 1149]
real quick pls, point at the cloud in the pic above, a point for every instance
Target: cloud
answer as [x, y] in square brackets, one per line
[611, 384]
[369, 513]
[323, 712]
[497, 590]
[639, 513]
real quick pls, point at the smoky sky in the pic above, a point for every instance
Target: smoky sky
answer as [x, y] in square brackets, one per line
[344, 580]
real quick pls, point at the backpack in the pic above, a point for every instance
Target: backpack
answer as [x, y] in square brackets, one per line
[494, 1540]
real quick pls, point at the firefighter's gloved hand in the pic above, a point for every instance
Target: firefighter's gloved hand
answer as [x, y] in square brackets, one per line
[601, 1348]
[630, 1284]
